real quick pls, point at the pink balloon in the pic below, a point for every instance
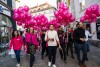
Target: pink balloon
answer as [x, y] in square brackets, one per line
[60, 11]
[32, 22]
[35, 17]
[95, 8]
[88, 11]
[65, 8]
[93, 16]
[69, 15]
[42, 23]
[35, 27]
[57, 25]
[19, 23]
[20, 10]
[98, 13]
[90, 20]
[22, 15]
[56, 13]
[28, 16]
[72, 19]
[65, 13]
[82, 19]
[26, 8]
[16, 17]
[15, 10]
[61, 5]
[59, 18]
[86, 16]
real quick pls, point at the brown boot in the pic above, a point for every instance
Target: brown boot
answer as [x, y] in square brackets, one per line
[81, 65]
[84, 65]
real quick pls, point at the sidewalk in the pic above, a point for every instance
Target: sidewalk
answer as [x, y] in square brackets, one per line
[94, 60]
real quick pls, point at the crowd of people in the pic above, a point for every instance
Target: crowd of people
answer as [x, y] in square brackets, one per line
[50, 40]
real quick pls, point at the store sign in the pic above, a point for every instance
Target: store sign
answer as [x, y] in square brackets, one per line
[5, 10]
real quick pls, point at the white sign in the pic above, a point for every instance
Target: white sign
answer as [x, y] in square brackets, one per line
[5, 10]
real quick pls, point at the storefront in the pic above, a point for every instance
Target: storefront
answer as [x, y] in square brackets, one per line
[6, 27]
[98, 28]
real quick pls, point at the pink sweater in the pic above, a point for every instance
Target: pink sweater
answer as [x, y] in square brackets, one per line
[34, 39]
[16, 43]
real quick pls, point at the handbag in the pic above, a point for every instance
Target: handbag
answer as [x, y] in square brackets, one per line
[31, 49]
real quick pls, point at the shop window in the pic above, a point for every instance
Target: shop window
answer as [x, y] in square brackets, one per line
[4, 18]
[82, 4]
[5, 32]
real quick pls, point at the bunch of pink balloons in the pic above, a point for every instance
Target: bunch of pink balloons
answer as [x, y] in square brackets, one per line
[41, 20]
[91, 13]
[22, 15]
[54, 22]
[62, 14]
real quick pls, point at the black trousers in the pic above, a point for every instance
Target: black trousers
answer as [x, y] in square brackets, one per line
[52, 53]
[32, 59]
[70, 45]
[44, 49]
[63, 51]
[78, 48]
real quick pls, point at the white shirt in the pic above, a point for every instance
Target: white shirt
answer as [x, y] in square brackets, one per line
[52, 34]
[87, 33]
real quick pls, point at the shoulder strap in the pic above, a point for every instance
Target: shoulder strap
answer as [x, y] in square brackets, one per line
[31, 39]
[47, 34]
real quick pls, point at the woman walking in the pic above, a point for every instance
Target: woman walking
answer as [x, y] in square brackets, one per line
[33, 44]
[44, 48]
[16, 43]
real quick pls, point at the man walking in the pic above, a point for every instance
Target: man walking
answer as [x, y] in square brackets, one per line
[52, 39]
[79, 39]
[62, 43]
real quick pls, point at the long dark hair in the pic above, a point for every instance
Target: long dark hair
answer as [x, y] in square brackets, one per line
[33, 30]
[13, 35]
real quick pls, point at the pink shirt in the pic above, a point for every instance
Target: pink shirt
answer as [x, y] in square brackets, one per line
[34, 39]
[16, 43]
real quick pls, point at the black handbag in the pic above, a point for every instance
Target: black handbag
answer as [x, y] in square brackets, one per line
[31, 49]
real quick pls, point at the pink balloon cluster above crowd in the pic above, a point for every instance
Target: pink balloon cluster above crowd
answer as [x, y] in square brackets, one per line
[63, 15]
[25, 19]
[91, 13]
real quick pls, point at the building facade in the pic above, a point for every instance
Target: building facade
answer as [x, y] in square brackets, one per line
[78, 7]
[45, 9]
[7, 23]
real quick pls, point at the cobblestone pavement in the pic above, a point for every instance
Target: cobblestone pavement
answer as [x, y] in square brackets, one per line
[94, 60]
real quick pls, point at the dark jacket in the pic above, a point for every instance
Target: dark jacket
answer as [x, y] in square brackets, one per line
[70, 37]
[61, 36]
[43, 41]
[79, 33]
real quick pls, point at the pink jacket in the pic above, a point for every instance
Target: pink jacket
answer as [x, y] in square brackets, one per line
[16, 43]
[34, 39]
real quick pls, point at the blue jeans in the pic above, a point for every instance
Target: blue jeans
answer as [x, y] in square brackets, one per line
[88, 46]
[78, 48]
[17, 53]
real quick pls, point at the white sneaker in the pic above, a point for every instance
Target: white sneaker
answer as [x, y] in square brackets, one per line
[49, 64]
[18, 65]
[54, 65]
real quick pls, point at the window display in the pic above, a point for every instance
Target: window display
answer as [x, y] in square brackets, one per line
[5, 32]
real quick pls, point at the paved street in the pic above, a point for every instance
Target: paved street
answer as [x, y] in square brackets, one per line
[94, 60]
